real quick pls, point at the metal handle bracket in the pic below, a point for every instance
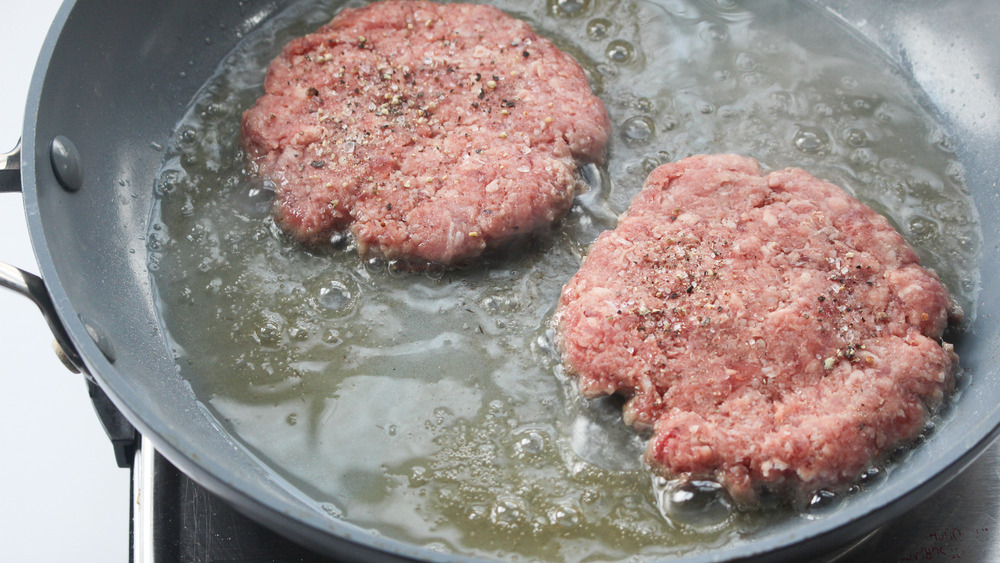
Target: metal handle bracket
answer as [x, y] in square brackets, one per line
[32, 287]
[10, 170]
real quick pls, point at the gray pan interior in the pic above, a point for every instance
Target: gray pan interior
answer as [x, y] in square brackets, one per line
[115, 77]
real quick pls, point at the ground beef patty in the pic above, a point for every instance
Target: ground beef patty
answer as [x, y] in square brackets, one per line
[772, 330]
[432, 131]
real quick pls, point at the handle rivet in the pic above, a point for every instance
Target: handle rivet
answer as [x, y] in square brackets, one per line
[66, 163]
[100, 338]
[64, 357]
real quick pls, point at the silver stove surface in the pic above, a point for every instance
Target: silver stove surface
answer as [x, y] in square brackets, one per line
[959, 522]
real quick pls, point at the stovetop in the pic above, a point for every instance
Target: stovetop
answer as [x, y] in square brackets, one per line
[188, 523]
[175, 519]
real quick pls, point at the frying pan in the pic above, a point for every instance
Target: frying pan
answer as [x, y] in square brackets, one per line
[114, 78]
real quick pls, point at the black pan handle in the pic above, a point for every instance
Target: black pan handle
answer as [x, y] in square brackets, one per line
[10, 170]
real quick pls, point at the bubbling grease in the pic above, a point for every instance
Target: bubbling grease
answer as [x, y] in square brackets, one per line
[432, 407]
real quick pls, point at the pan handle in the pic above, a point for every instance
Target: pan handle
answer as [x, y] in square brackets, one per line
[119, 430]
[32, 287]
[28, 284]
[123, 436]
[10, 170]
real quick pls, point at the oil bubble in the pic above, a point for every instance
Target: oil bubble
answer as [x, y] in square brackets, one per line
[419, 476]
[699, 504]
[811, 140]
[607, 70]
[620, 52]
[822, 499]
[501, 304]
[952, 212]
[215, 112]
[823, 110]
[956, 172]
[599, 29]
[863, 158]
[726, 5]
[780, 102]
[476, 512]
[714, 33]
[752, 79]
[187, 136]
[565, 515]
[568, 8]
[924, 184]
[191, 160]
[298, 333]
[187, 208]
[591, 174]
[943, 142]
[705, 107]
[331, 510]
[156, 241]
[745, 62]
[168, 182]
[862, 106]
[729, 112]
[508, 512]
[529, 443]
[855, 137]
[255, 197]
[884, 114]
[649, 164]
[337, 297]
[332, 337]
[543, 344]
[968, 244]
[892, 166]
[590, 496]
[969, 285]
[638, 130]
[268, 333]
[922, 227]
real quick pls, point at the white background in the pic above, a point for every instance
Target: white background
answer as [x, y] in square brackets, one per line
[62, 498]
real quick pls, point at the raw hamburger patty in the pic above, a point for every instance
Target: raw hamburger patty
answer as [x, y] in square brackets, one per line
[432, 131]
[772, 330]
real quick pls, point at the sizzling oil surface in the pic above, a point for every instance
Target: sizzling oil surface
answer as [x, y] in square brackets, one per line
[431, 406]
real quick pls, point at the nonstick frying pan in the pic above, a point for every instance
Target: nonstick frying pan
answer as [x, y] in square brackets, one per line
[114, 78]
